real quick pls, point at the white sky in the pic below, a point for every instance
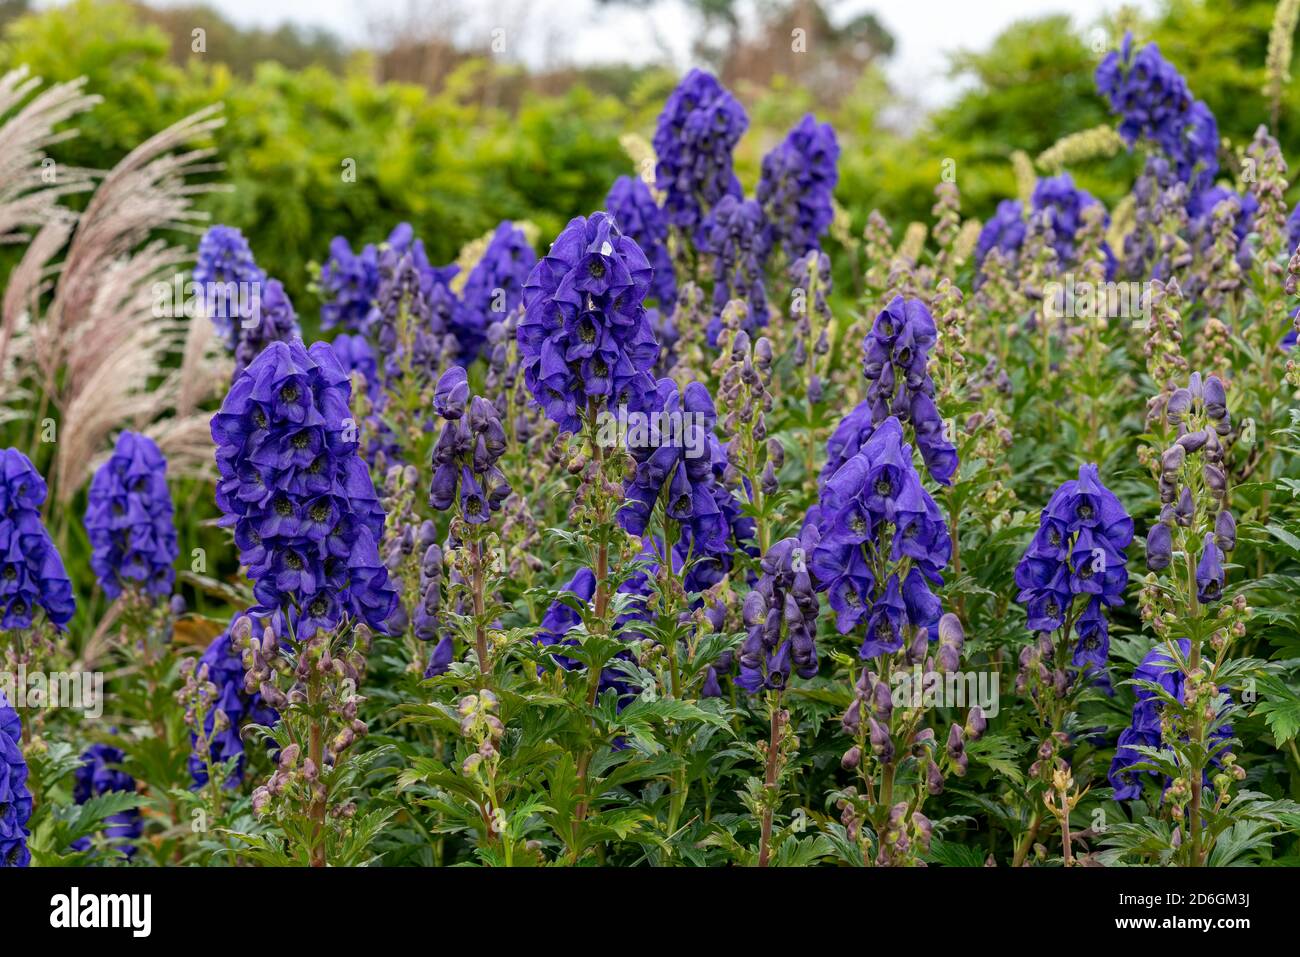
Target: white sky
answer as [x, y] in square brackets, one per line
[579, 31]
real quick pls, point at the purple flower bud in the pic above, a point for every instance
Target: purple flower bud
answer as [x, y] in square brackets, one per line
[1225, 530]
[956, 742]
[933, 779]
[1159, 547]
[976, 723]
[452, 393]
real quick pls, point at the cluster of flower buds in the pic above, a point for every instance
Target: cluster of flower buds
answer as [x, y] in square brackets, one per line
[745, 370]
[200, 698]
[811, 277]
[480, 726]
[466, 454]
[781, 617]
[1200, 412]
[334, 666]
[907, 833]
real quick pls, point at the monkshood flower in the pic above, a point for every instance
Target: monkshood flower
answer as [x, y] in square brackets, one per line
[882, 543]
[633, 208]
[709, 557]
[1077, 553]
[298, 495]
[129, 520]
[349, 282]
[681, 463]
[98, 774]
[31, 571]
[411, 322]
[734, 233]
[585, 338]
[1063, 203]
[231, 281]
[494, 288]
[694, 138]
[227, 707]
[896, 366]
[1200, 412]
[355, 355]
[272, 320]
[1059, 202]
[465, 457]
[797, 185]
[780, 616]
[1293, 228]
[1005, 230]
[15, 798]
[1154, 104]
[1145, 730]
[561, 618]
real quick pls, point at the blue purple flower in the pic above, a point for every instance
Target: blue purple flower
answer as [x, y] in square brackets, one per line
[223, 668]
[896, 365]
[129, 520]
[873, 513]
[780, 617]
[100, 773]
[734, 233]
[298, 495]
[693, 142]
[797, 185]
[585, 338]
[1155, 104]
[493, 289]
[1078, 551]
[15, 798]
[1157, 668]
[31, 571]
[633, 208]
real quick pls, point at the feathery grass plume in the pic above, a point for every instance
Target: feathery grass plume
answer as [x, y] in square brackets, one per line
[1100, 142]
[1022, 167]
[30, 186]
[98, 351]
[1277, 66]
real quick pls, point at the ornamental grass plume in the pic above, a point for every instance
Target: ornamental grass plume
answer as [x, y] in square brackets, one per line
[15, 798]
[297, 494]
[129, 519]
